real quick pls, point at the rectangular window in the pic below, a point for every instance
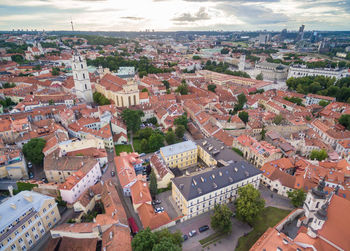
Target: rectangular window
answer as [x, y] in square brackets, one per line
[27, 234]
[13, 246]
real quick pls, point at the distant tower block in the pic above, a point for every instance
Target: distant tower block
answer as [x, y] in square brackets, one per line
[241, 64]
[81, 78]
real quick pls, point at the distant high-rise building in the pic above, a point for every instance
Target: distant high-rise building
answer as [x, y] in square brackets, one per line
[301, 33]
[264, 38]
[81, 78]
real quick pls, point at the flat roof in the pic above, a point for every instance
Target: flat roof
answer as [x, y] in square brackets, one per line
[178, 148]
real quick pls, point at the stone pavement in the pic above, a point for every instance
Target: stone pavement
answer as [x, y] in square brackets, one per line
[274, 200]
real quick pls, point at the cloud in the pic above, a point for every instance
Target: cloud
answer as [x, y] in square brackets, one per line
[133, 18]
[188, 17]
[253, 14]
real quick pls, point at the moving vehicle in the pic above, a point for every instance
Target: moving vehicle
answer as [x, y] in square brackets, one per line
[185, 237]
[203, 228]
[192, 233]
[112, 173]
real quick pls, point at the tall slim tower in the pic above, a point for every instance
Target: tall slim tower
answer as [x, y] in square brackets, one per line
[241, 64]
[81, 78]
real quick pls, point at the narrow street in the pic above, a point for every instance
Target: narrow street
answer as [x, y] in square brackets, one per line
[126, 201]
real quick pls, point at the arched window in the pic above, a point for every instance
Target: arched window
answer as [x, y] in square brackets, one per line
[76, 76]
[317, 204]
[75, 66]
[83, 75]
[85, 87]
[81, 66]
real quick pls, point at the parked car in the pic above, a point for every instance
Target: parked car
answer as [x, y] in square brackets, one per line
[112, 173]
[30, 165]
[156, 202]
[203, 228]
[31, 176]
[192, 233]
[159, 209]
[185, 237]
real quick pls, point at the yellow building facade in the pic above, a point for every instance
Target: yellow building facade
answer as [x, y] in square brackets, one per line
[180, 155]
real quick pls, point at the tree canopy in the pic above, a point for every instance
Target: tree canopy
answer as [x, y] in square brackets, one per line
[170, 137]
[260, 76]
[153, 183]
[162, 240]
[212, 88]
[180, 131]
[223, 68]
[297, 197]
[319, 154]
[249, 203]
[278, 119]
[33, 150]
[244, 116]
[100, 99]
[182, 89]
[181, 120]
[221, 219]
[345, 120]
[132, 119]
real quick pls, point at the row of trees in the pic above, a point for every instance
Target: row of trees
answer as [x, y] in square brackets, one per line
[144, 65]
[340, 89]
[223, 68]
[151, 140]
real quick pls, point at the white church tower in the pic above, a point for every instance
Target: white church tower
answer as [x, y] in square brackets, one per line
[241, 64]
[81, 78]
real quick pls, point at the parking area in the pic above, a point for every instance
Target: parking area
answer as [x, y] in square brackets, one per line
[168, 204]
[193, 224]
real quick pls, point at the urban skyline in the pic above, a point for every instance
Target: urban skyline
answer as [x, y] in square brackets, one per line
[174, 15]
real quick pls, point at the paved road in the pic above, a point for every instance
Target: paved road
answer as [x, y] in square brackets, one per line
[274, 200]
[40, 245]
[227, 243]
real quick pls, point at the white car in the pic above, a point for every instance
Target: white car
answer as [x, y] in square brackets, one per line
[159, 209]
[192, 233]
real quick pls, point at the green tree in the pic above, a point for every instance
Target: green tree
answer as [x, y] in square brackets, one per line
[212, 87]
[144, 145]
[181, 120]
[132, 119]
[323, 103]
[242, 99]
[263, 133]
[55, 71]
[170, 137]
[225, 51]
[17, 58]
[153, 187]
[155, 142]
[249, 203]
[51, 102]
[319, 154]
[152, 120]
[345, 120]
[176, 237]
[33, 150]
[100, 99]
[166, 84]
[180, 131]
[297, 197]
[221, 219]
[182, 89]
[244, 116]
[144, 240]
[278, 119]
[196, 57]
[145, 133]
[144, 90]
[166, 244]
[260, 76]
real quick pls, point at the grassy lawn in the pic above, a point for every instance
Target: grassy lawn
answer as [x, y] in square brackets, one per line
[211, 239]
[269, 217]
[122, 148]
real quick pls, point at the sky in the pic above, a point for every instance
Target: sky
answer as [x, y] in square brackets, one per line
[174, 15]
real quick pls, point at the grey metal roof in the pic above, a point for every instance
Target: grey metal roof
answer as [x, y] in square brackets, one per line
[178, 148]
[195, 186]
[218, 150]
[15, 206]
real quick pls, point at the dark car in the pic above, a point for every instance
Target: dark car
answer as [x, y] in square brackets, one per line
[203, 228]
[112, 173]
[31, 176]
[185, 237]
